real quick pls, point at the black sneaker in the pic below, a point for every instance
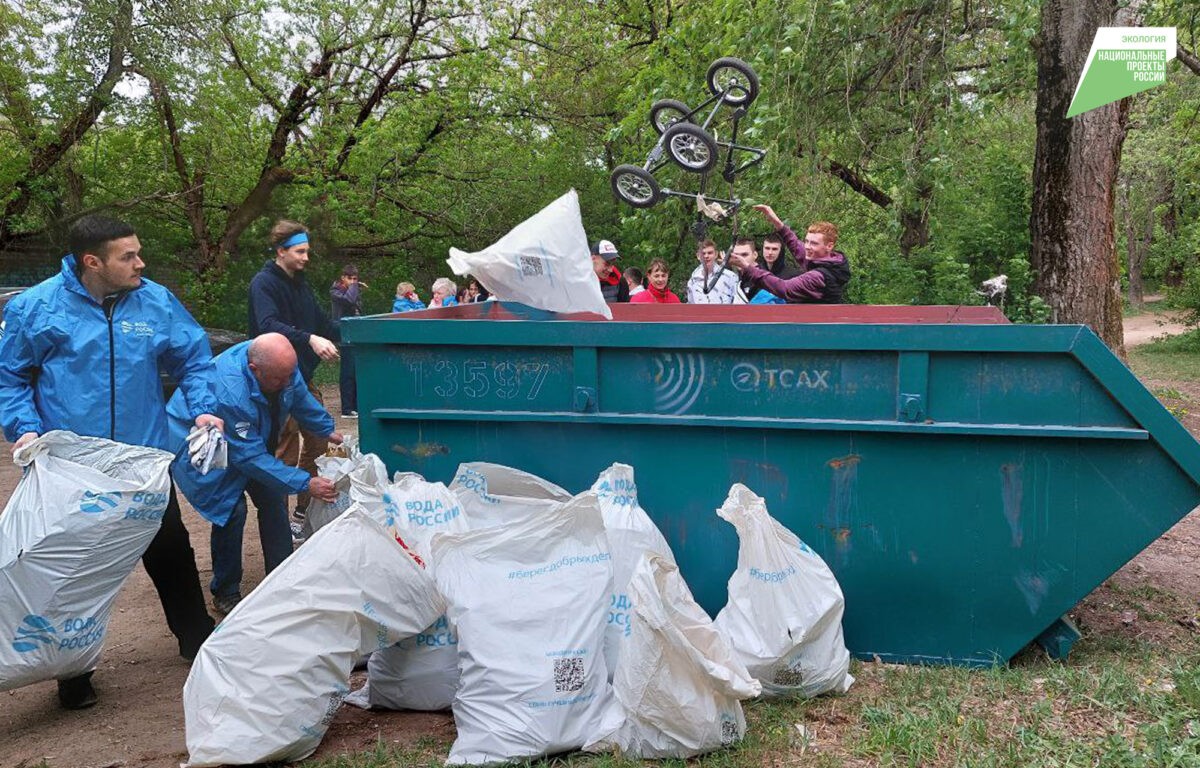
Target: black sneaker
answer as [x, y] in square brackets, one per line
[225, 603]
[77, 692]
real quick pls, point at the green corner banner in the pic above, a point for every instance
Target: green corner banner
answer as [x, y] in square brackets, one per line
[1123, 61]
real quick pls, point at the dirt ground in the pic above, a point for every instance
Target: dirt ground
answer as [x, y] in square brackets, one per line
[1148, 326]
[139, 720]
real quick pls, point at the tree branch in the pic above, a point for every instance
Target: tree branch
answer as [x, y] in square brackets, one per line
[268, 97]
[192, 184]
[851, 178]
[1189, 59]
[72, 130]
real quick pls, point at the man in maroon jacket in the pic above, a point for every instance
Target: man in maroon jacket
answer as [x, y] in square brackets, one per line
[824, 272]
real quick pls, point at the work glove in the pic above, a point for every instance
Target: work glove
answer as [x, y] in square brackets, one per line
[207, 449]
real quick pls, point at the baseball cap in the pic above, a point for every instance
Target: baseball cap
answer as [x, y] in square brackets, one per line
[605, 249]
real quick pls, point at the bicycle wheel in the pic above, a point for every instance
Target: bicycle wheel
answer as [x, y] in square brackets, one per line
[691, 147]
[666, 112]
[735, 79]
[635, 185]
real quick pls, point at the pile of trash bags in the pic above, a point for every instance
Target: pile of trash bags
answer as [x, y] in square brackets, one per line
[546, 621]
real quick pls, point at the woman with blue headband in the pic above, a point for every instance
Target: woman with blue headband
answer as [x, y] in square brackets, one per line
[281, 301]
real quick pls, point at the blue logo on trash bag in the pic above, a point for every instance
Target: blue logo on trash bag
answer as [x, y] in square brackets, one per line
[34, 632]
[95, 503]
[390, 511]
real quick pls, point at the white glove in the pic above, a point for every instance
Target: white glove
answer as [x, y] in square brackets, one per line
[207, 449]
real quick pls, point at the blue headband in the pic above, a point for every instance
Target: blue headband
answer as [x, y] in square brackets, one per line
[297, 239]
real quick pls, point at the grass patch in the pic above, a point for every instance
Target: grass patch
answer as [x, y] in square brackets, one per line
[1148, 308]
[1116, 702]
[1175, 357]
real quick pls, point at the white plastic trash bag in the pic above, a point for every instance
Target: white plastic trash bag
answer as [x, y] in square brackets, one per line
[268, 681]
[544, 262]
[492, 494]
[529, 600]
[678, 685]
[368, 481]
[631, 535]
[419, 672]
[784, 615]
[338, 470]
[74, 528]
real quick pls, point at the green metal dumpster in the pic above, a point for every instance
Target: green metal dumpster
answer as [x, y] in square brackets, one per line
[968, 480]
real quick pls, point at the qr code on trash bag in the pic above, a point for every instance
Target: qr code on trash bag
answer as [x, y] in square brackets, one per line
[729, 730]
[531, 266]
[568, 674]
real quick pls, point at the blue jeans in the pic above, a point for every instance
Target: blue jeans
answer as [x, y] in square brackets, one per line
[226, 541]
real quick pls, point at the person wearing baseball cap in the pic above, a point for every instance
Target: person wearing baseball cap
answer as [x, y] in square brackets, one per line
[615, 289]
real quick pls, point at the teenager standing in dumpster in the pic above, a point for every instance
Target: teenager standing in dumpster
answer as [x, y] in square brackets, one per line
[255, 386]
[824, 272]
[281, 301]
[81, 351]
[724, 289]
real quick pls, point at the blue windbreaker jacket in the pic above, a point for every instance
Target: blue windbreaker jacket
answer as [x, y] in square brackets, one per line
[67, 363]
[247, 415]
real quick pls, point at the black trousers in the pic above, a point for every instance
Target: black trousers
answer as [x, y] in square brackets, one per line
[171, 563]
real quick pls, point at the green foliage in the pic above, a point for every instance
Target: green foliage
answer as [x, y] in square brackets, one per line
[909, 125]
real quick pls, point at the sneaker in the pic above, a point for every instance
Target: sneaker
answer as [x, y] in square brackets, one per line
[225, 603]
[77, 692]
[298, 536]
[349, 414]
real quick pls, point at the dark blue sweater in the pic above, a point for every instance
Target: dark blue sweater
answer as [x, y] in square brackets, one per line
[287, 305]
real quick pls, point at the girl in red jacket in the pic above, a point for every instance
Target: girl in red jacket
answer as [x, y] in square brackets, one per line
[658, 273]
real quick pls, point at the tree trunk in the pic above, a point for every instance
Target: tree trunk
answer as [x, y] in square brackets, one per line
[1074, 177]
[1132, 249]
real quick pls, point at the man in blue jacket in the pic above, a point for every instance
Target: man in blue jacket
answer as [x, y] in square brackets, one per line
[281, 301]
[256, 387]
[81, 351]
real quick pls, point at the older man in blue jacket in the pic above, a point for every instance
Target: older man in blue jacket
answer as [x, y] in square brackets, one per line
[256, 385]
[81, 351]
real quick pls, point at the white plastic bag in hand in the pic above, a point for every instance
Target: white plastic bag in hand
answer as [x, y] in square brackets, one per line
[784, 615]
[76, 525]
[268, 681]
[529, 600]
[631, 535]
[678, 684]
[544, 262]
[338, 470]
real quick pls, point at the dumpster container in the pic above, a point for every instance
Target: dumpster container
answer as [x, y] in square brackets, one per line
[968, 480]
